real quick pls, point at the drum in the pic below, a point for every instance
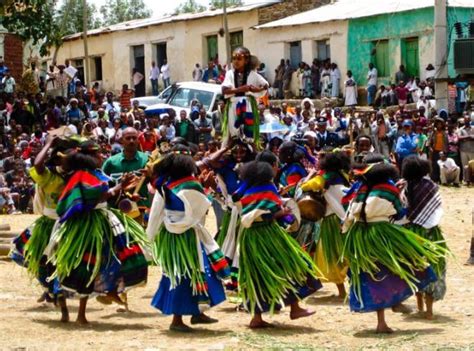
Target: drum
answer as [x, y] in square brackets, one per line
[312, 205]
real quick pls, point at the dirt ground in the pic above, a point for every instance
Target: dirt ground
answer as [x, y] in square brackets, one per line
[26, 324]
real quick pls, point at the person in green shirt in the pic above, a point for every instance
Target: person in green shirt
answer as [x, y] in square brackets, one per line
[127, 161]
[421, 145]
[185, 128]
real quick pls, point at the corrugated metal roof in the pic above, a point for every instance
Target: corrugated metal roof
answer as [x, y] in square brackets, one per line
[347, 9]
[170, 18]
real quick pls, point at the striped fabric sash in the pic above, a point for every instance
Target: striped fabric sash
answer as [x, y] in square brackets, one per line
[387, 191]
[291, 174]
[424, 201]
[263, 197]
[81, 194]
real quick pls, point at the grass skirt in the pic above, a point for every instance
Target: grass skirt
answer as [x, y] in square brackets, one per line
[438, 288]
[329, 250]
[90, 257]
[184, 288]
[273, 268]
[224, 227]
[387, 264]
[29, 249]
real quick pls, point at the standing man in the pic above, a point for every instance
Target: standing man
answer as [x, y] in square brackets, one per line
[401, 75]
[466, 144]
[8, 83]
[137, 78]
[204, 126]
[154, 75]
[3, 69]
[165, 74]
[407, 142]
[197, 73]
[371, 84]
[326, 139]
[62, 80]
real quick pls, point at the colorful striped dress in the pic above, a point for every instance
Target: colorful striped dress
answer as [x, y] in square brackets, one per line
[273, 269]
[290, 175]
[29, 246]
[424, 214]
[192, 262]
[387, 262]
[95, 249]
[329, 246]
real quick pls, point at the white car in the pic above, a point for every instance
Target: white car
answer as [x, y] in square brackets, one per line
[146, 101]
[184, 93]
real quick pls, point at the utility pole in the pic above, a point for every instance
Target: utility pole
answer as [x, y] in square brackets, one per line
[226, 34]
[441, 54]
[86, 50]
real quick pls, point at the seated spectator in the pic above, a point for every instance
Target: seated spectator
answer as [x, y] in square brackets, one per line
[448, 169]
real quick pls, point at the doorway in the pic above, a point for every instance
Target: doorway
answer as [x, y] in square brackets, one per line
[410, 57]
[295, 54]
[161, 55]
[139, 65]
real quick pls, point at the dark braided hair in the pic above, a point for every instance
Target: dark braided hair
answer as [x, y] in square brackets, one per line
[177, 164]
[414, 169]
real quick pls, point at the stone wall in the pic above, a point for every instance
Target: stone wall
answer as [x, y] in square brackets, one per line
[287, 8]
[13, 56]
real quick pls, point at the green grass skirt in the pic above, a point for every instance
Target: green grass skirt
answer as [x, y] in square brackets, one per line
[224, 227]
[87, 243]
[178, 256]
[39, 239]
[271, 265]
[438, 288]
[400, 250]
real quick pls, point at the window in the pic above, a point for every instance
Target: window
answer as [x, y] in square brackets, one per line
[236, 40]
[161, 54]
[212, 51]
[323, 50]
[183, 97]
[79, 65]
[381, 58]
[96, 69]
[410, 56]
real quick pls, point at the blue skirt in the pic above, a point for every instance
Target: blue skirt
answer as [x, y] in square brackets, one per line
[180, 300]
[386, 290]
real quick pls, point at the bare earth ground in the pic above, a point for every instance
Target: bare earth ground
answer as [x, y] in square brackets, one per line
[25, 324]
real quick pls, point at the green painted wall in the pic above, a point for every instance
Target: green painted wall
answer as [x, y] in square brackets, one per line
[363, 32]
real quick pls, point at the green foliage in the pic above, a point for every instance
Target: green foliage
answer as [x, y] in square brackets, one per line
[31, 20]
[116, 11]
[74, 23]
[218, 4]
[190, 6]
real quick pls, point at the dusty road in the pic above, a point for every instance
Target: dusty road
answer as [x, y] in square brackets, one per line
[26, 324]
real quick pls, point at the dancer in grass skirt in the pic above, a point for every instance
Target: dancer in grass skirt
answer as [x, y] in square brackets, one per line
[241, 87]
[29, 246]
[94, 249]
[273, 269]
[192, 262]
[226, 168]
[333, 181]
[387, 262]
[424, 214]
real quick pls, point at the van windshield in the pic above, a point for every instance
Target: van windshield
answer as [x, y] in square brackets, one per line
[183, 97]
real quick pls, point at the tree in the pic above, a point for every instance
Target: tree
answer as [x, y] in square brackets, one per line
[74, 21]
[116, 11]
[218, 4]
[31, 20]
[189, 6]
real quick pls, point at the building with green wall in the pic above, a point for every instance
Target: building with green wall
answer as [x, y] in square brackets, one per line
[391, 39]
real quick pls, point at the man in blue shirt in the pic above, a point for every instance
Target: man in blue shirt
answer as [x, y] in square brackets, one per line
[3, 69]
[406, 143]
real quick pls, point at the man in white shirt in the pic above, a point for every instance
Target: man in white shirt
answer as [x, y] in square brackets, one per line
[154, 75]
[448, 169]
[165, 74]
[8, 83]
[371, 84]
[197, 73]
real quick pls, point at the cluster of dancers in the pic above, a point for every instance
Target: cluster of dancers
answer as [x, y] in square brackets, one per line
[372, 227]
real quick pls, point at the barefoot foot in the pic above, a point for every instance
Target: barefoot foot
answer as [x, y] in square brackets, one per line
[203, 319]
[82, 320]
[181, 328]
[384, 329]
[260, 324]
[64, 315]
[301, 313]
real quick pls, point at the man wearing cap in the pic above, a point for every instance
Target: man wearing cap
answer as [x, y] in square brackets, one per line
[326, 139]
[406, 143]
[167, 130]
[466, 143]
